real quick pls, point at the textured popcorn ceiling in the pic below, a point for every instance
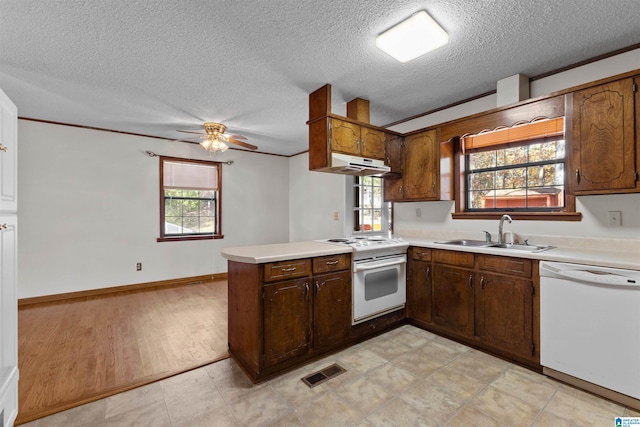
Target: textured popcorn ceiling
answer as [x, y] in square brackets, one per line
[153, 66]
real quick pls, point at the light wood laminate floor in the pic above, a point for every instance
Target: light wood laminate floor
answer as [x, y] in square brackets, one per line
[77, 351]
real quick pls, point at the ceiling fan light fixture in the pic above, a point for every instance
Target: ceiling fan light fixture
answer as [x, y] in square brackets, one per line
[412, 37]
[213, 145]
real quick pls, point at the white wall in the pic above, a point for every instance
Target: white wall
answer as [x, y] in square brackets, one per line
[314, 198]
[89, 209]
[436, 216]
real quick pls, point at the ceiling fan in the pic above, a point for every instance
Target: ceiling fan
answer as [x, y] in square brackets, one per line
[215, 139]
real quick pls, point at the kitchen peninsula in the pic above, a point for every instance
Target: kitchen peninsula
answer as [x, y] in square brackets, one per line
[291, 302]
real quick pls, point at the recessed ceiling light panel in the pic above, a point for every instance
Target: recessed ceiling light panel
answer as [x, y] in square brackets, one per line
[412, 37]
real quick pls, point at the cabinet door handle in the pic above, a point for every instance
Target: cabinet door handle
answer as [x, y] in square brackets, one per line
[482, 282]
[3, 148]
[333, 262]
[3, 226]
[317, 287]
[471, 280]
[306, 289]
[287, 270]
[578, 176]
[428, 272]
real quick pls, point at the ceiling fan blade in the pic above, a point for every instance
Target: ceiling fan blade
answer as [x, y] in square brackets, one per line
[243, 138]
[190, 131]
[241, 143]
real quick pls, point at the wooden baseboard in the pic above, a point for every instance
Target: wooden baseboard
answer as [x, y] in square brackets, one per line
[102, 291]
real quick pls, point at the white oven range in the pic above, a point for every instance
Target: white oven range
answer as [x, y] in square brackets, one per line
[379, 280]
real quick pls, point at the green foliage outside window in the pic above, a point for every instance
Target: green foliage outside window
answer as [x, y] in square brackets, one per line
[189, 211]
[523, 177]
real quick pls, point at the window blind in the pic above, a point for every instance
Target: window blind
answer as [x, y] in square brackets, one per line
[539, 129]
[190, 176]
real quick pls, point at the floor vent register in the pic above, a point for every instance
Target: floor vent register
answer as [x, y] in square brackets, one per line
[323, 375]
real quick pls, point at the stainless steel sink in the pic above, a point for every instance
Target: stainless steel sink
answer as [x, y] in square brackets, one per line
[519, 247]
[508, 246]
[464, 242]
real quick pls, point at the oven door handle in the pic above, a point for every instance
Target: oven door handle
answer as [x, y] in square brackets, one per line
[374, 265]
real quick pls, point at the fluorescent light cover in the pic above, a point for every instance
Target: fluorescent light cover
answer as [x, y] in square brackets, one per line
[412, 37]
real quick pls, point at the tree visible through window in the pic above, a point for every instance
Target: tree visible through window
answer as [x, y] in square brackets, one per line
[190, 199]
[369, 206]
[527, 176]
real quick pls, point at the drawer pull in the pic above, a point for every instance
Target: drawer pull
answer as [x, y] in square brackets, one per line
[3, 226]
[3, 148]
[332, 262]
[287, 270]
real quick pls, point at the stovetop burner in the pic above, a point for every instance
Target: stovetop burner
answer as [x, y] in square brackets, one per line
[371, 246]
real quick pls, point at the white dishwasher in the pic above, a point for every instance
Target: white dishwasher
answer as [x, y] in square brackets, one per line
[590, 325]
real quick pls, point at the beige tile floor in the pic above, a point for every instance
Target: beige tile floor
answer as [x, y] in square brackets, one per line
[406, 377]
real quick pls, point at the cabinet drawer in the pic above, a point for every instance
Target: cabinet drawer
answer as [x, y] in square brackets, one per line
[459, 259]
[274, 271]
[505, 265]
[420, 254]
[331, 263]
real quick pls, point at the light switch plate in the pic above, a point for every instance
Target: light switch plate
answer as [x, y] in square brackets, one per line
[615, 219]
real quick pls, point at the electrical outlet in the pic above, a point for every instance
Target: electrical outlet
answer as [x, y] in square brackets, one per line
[336, 216]
[139, 266]
[418, 213]
[615, 219]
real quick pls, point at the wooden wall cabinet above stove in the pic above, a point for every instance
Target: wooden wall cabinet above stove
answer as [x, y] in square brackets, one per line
[330, 133]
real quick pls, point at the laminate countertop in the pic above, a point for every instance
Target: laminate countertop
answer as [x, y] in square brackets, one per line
[260, 254]
[627, 259]
[606, 257]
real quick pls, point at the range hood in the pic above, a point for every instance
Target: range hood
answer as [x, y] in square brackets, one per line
[354, 165]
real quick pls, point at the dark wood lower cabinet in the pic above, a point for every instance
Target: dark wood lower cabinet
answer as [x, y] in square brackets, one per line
[483, 300]
[419, 291]
[453, 299]
[331, 308]
[287, 320]
[277, 324]
[504, 316]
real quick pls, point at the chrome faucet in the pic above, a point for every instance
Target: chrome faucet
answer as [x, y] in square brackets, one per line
[508, 218]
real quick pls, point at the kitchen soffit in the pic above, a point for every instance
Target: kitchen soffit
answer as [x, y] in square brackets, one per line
[153, 67]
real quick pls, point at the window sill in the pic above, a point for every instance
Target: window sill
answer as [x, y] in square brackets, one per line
[187, 238]
[522, 216]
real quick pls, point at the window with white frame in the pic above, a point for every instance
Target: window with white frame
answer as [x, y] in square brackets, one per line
[371, 214]
[189, 199]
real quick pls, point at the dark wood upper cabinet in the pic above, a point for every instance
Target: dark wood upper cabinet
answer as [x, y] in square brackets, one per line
[372, 143]
[344, 137]
[603, 140]
[421, 173]
[421, 168]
